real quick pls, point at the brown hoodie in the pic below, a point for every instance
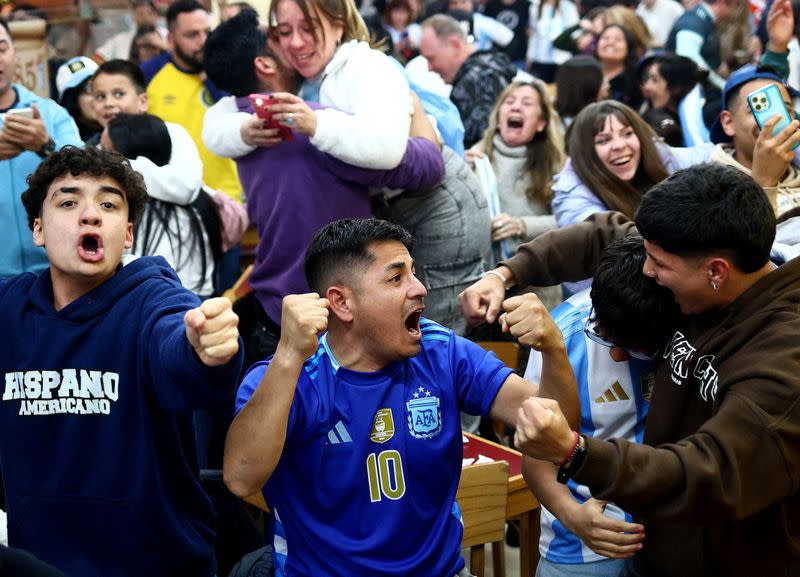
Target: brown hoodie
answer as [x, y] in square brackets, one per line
[718, 494]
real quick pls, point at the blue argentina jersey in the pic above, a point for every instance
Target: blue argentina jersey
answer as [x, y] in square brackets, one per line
[367, 480]
[614, 400]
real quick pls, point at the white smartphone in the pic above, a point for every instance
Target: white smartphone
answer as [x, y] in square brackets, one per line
[26, 112]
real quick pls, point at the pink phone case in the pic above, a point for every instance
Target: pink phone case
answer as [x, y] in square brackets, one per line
[261, 103]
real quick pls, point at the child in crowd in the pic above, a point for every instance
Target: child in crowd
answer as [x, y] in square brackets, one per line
[119, 88]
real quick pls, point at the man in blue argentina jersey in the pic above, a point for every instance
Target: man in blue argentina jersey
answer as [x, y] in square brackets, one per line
[355, 435]
[605, 332]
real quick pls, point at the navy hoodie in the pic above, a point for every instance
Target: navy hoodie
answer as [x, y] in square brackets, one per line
[96, 440]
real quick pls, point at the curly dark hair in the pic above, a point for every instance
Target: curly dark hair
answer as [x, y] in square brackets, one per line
[89, 161]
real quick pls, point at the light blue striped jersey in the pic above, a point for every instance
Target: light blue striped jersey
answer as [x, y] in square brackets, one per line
[367, 479]
[614, 401]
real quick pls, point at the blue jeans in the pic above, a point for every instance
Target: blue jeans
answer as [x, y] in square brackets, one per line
[605, 568]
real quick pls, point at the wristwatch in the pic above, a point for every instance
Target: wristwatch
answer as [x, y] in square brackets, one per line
[48, 149]
[573, 462]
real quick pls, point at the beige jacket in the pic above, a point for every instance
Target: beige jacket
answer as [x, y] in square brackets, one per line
[783, 197]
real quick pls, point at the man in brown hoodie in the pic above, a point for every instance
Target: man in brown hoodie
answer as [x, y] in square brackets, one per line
[716, 484]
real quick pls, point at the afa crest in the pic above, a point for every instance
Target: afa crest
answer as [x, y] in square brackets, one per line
[382, 426]
[424, 414]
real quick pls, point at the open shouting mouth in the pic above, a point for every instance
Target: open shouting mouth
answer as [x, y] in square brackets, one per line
[90, 247]
[412, 321]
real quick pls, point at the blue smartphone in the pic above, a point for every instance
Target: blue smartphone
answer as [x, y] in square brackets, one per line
[767, 102]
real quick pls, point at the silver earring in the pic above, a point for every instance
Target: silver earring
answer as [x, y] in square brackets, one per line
[715, 286]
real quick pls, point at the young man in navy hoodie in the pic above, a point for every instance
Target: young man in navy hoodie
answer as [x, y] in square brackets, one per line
[103, 360]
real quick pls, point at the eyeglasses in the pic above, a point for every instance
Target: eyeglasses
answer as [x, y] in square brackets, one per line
[592, 334]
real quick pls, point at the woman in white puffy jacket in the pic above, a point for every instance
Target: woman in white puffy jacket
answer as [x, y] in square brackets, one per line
[367, 118]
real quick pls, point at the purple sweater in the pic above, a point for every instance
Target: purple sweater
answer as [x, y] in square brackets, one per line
[293, 189]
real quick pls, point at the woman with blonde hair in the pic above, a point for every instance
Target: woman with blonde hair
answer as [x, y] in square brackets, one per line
[367, 115]
[522, 149]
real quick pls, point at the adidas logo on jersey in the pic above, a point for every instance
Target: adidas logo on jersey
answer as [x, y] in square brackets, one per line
[612, 394]
[338, 434]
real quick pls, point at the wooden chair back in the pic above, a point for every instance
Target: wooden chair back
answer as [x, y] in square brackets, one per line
[482, 496]
[506, 351]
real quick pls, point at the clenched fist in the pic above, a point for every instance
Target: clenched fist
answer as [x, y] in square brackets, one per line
[303, 318]
[528, 321]
[212, 330]
[542, 430]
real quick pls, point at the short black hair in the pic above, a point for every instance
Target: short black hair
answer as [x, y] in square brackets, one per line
[341, 246]
[707, 209]
[137, 135]
[230, 50]
[631, 309]
[182, 7]
[4, 24]
[124, 68]
[90, 161]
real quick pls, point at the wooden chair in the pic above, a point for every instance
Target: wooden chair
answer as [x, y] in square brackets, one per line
[482, 496]
[508, 352]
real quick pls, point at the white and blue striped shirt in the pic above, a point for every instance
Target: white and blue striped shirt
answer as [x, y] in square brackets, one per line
[614, 400]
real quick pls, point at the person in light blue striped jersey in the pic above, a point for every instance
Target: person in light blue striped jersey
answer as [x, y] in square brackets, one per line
[611, 331]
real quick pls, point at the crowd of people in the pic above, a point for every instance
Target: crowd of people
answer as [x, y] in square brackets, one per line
[614, 186]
